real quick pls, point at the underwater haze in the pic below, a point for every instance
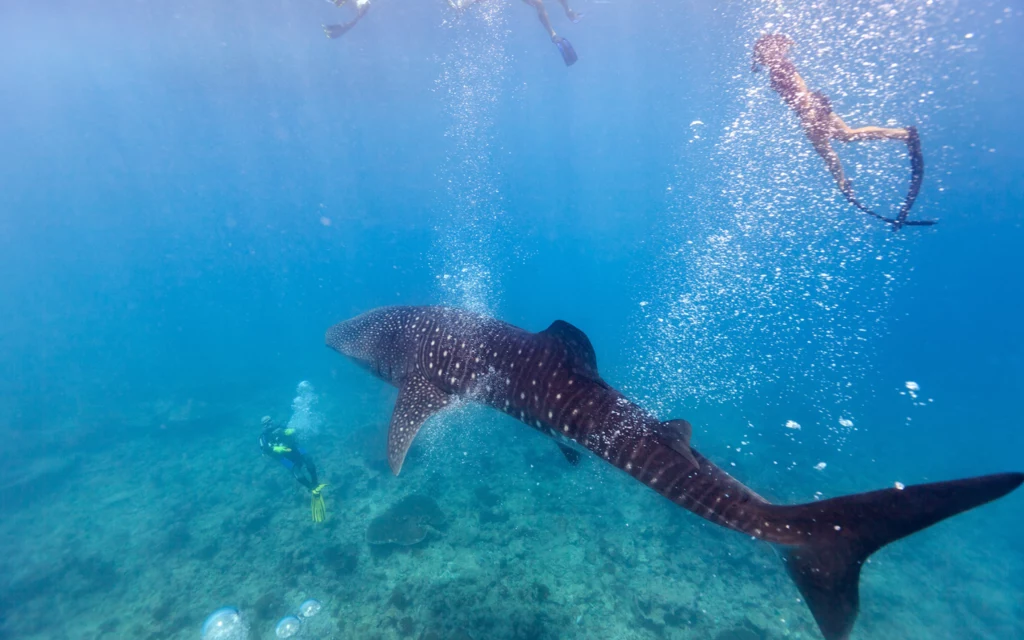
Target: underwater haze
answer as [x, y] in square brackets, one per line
[192, 192]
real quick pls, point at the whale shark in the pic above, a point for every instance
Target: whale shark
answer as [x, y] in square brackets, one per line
[550, 381]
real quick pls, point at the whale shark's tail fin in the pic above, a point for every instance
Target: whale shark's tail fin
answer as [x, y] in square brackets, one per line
[843, 532]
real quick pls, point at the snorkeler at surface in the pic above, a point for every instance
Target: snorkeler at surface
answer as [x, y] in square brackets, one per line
[338, 30]
[280, 443]
[822, 125]
[568, 53]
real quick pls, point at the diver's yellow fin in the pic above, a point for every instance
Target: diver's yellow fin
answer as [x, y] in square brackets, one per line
[317, 507]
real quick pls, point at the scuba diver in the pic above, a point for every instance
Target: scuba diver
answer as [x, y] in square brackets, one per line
[280, 443]
[822, 125]
[568, 53]
[337, 30]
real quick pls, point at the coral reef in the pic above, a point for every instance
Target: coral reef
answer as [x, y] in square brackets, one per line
[406, 523]
[141, 541]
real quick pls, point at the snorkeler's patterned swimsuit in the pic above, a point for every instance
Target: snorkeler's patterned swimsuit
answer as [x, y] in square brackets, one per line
[821, 114]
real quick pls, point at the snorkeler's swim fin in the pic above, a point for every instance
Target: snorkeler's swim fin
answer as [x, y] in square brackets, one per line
[333, 31]
[852, 199]
[317, 504]
[565, 48]
[916, 177]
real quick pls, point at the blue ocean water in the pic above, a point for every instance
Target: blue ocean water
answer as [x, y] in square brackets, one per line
[192, 192]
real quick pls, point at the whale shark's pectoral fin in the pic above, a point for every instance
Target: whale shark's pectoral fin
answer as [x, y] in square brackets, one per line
[572, 456]
[677, 434]
[418, 399]
[584, 360]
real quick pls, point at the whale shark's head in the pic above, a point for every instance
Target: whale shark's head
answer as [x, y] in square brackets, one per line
[372, 339]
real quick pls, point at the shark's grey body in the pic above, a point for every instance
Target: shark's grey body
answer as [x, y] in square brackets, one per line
[549, 380]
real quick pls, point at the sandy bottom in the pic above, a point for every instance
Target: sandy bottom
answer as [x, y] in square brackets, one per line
[145, 536]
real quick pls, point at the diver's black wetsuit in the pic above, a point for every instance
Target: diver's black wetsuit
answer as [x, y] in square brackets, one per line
[280, 443]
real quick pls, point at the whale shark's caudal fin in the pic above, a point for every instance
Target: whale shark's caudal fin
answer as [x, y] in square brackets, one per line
[844, 531]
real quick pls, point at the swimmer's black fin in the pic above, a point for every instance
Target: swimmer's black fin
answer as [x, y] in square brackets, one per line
[572, 456]
[333, 31]
[916, 177]
[418, 399]
[897, 222]
[568, 53]
[827, 568]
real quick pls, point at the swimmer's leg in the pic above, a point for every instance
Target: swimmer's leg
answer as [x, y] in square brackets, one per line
[834, 165]
[844, 133]
[564, 47]
[876, 133]
[575, 16]
[542, 15]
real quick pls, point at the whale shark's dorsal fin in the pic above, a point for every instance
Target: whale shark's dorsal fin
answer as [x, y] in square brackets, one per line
[578, 345]
[678, 433]
[418, 399]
